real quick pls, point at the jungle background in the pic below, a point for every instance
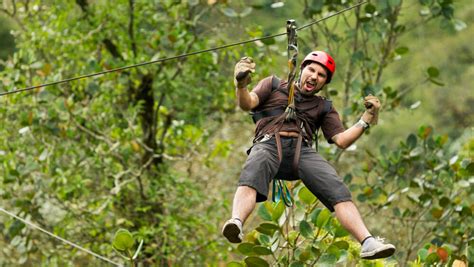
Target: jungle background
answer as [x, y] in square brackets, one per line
[153, 154]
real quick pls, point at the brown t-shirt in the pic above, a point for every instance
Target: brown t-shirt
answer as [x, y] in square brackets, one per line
[311, 107]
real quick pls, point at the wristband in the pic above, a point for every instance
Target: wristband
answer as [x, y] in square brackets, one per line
[364, 124]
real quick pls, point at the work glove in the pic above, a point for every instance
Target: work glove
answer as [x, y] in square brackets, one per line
[242, 71]
[372, 106]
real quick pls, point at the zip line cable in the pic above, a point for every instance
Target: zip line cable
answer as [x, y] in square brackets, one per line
[178, 56]
[59, 238]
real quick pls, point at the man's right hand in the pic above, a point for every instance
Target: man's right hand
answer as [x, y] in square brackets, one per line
[242, 71]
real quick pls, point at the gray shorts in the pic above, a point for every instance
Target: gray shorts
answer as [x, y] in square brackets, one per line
[317, 174]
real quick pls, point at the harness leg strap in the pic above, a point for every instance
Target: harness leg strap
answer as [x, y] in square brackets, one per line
[279, 149]
[296, 159]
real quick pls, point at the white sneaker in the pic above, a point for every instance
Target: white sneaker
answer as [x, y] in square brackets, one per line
[374, 248]
[232, 230]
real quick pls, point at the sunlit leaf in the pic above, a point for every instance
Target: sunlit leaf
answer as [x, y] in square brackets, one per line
[279, 209]
[306, 196]
[263, 211]
[123, 240]
[277, 5]
[246, 12]
[423, 253]
[415, 105]
[323, 217]
[229, 12]
[459, 25]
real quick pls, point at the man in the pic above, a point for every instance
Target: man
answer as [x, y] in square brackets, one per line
[282, 146]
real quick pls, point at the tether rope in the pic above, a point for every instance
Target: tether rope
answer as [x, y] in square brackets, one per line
[59, 238]
[176, 57]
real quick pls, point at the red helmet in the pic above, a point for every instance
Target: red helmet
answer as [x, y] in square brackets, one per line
[322, 58]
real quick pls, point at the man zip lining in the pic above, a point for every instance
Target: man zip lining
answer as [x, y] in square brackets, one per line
[287, 115]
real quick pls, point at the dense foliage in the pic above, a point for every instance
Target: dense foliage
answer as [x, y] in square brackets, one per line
[147, 154]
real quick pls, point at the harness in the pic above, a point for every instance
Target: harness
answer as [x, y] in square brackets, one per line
[280, 190]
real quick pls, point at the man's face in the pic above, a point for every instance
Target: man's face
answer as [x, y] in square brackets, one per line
[313, 78]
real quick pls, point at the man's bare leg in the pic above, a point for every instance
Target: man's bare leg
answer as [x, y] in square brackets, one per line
[243, 205]
[349, 217]
[372, 248]
[244, 202]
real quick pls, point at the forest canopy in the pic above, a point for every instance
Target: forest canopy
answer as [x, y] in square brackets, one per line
[140, 165]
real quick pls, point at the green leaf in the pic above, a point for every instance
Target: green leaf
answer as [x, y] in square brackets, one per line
[246, 248]
[334, 250]
[422, 253]
[229, 12]
[459, 25]
[292, 235]
[279, 209]
[123, 240]
[402, 50]
[342, 244]
[369, 8]
[433, 72]
[340, 231]
[268, 41]
[306, 196]
[432, 258]
[314, 215]
[256, 262]
[328, 260]
[323, 218]
[305, 229]
[436, 213]
[268, 228]
[264, 213]
[15, 228]
[245, 12]
[411, 141]
[444, 201]
[261, 250]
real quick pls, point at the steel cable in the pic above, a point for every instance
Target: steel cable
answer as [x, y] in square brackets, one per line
[175, 57]
[59, 238]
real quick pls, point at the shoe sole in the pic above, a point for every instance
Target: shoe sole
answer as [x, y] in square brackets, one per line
[378, 254]
[231, 232]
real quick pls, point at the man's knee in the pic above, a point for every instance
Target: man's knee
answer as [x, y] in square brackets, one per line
[344, 205]
[245, 189]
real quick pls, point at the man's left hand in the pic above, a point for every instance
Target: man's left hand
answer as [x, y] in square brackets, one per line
[372, 105]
